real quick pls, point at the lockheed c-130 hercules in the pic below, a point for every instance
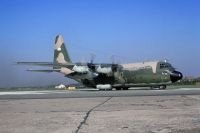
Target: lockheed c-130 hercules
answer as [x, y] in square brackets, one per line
[107, 76]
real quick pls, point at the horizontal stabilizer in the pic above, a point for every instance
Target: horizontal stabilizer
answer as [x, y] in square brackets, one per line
[47, 64]
[36, 63]
[43, 70]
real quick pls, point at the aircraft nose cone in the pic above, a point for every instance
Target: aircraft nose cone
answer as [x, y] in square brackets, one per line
[175, 76]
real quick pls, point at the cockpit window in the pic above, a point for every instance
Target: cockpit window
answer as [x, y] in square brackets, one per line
[164, 65]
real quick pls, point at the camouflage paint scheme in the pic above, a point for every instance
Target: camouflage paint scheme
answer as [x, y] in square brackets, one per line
[153, 74]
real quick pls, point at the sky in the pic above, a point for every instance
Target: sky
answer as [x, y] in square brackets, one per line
[128, 30]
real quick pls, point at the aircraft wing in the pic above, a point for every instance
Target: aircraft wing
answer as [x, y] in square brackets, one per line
[68, 65]
[104, 68]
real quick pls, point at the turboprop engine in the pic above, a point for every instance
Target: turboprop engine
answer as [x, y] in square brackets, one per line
[104, 70]
[80, 69]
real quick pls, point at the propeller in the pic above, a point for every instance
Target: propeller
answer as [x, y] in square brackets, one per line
[92, 57]
[112, 59]
[90, 64]
[114, 65]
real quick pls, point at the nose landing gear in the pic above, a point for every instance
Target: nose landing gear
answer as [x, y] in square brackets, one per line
[161, 87]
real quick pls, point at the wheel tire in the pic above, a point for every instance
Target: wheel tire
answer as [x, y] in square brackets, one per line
[118, 88]
[162, 87]
[125, 88]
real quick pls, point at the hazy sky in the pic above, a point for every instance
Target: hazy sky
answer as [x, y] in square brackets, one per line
[131, 30]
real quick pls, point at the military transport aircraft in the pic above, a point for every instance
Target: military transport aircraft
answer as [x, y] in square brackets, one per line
[105, 76]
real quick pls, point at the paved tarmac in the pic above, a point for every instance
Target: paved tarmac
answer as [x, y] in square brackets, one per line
[86, 93]
[140, 111]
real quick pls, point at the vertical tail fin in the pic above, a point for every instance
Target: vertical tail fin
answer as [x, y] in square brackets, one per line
[60, 52]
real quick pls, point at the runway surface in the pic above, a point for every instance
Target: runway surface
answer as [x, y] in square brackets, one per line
[86, 93]
[91, 111]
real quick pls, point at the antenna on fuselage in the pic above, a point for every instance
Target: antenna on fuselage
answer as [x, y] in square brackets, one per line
[165, 60]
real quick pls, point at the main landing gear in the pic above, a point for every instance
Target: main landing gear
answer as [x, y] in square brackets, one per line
[121, 88]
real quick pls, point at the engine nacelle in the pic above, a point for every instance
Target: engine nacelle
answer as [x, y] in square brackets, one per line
[104, 70]
[104, 87]
[80, 69]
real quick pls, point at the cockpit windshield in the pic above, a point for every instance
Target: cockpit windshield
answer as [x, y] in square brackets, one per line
[165, 65]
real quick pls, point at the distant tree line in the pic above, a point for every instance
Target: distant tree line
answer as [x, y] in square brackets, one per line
[189, 81]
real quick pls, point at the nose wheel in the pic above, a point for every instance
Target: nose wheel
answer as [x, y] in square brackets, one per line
[162, 87]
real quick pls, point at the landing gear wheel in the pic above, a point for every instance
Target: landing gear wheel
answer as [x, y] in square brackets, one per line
[118, 88]
[125, 88]
[162, 87]
[121, 88]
